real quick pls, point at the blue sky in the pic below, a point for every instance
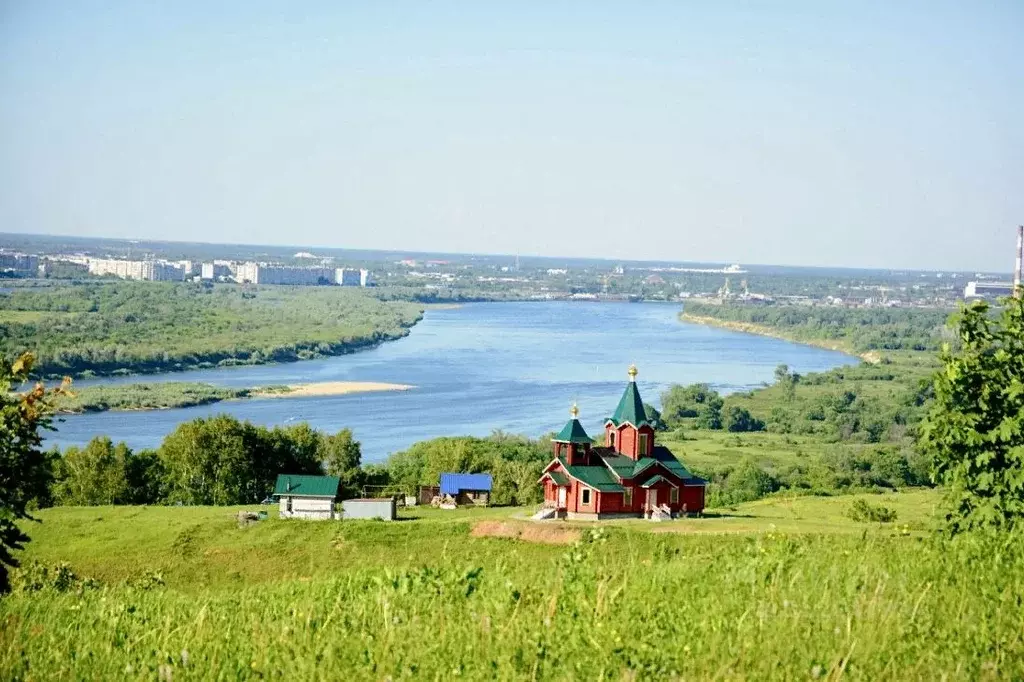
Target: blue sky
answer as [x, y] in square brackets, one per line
[812, 133]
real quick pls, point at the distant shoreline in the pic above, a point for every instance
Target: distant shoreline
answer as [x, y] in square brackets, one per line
[443, 306]
[328, 388]
[173, 395]
[872, 357]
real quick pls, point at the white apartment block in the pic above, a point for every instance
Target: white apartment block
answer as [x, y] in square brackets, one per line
[351, 277]
[151, 270]
[258, 273]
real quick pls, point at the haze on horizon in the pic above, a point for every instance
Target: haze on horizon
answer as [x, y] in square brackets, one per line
[862, 134]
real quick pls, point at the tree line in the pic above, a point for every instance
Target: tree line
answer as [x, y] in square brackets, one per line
[221, 460]
[139, 327]
[860, 329]
[209, 461]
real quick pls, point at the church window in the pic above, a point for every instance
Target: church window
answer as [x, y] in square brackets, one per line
[627, 497]
[643, 443]
[586, 496]
[674, 496]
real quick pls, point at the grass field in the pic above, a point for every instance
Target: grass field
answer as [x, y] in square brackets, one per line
[780, 588]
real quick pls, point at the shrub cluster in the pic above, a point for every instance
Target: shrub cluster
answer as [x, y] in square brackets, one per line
[861, 510]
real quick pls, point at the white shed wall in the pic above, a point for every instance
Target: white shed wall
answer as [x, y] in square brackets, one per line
[307, 507]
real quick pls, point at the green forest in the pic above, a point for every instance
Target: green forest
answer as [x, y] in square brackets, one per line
[853, 329]
[144, 327]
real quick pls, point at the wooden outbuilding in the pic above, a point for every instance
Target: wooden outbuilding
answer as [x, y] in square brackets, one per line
[306, 497]
[467, 488]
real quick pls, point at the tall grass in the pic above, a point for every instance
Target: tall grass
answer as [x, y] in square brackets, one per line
[422, 600]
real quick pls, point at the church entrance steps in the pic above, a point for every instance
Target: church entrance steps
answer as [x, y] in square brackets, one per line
[661, 513]
[545, 514]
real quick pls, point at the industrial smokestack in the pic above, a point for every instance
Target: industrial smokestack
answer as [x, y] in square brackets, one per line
[1020, 255]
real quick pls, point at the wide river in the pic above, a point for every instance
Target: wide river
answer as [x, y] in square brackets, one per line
[484, 366]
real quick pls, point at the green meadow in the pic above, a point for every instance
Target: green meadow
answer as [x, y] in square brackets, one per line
[780, 588]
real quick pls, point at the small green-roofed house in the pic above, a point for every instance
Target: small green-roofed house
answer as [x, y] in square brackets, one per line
[628, 476]
[306, 497]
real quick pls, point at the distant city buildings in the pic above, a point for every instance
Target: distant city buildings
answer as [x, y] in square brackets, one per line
[217, 270]
[150, 270]
[348, 277]
[18, 262]
[261, 273]
[258, 273]
[988, 290]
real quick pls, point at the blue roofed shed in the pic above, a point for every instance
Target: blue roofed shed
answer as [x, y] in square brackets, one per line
[467, 488]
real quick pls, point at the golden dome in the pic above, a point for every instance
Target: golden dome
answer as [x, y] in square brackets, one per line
[633, 372]
[574, 411]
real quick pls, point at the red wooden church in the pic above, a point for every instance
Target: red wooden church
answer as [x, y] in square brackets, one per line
[630, 476]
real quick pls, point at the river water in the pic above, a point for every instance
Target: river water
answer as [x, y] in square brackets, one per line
[484, 366]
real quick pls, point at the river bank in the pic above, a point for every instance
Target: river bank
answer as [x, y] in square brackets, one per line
[175, 395]
[873, 357]
[476, 369]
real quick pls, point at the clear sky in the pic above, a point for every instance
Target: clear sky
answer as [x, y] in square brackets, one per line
[857, 133]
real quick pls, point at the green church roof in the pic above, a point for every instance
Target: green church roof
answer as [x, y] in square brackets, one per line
[621, 465]
[597, 477]
[572, 432]
[557, 477]
[631, 407]
[643, 464]
[306, 486]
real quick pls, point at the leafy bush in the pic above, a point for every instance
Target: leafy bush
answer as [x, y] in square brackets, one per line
[975, 429]
[738, 419]
[861, 510]
[58, 577]
[697, 401]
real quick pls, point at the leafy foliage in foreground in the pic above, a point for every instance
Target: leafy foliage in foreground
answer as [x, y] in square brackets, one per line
[24, 468]
[423, 599]
[104, 328]
[975, 429]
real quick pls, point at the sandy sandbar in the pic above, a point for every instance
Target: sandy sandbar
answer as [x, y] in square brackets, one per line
[324, 388]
